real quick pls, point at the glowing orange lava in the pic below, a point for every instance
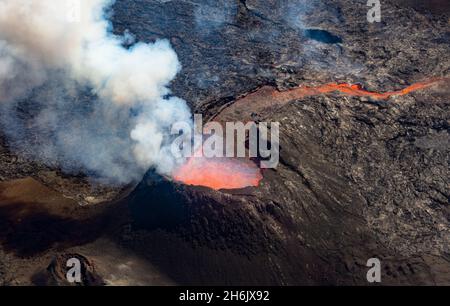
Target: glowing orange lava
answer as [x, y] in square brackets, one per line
[219, 173]
[351, 90]
[227, 173]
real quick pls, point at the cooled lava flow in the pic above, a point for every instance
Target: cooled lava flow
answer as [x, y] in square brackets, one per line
[219, 173]
[228, 173]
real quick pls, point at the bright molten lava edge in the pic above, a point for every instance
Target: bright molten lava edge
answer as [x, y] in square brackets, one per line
[350, 90]
[219, 173]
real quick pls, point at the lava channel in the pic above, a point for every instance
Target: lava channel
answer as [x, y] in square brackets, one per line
[232, 173]
[351, 90]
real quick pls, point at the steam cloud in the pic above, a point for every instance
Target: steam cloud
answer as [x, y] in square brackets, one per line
[72, 95]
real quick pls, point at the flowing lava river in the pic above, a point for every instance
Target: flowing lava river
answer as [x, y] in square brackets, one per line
[231, 173]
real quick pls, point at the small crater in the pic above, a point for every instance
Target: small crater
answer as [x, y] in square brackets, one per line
[322, 36]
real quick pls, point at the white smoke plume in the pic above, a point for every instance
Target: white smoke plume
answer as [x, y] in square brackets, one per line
[72, 95]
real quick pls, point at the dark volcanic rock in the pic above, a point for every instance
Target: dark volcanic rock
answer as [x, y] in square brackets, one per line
[358, 178]
[266, 42]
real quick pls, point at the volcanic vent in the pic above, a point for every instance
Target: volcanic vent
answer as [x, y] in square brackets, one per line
[219, 173]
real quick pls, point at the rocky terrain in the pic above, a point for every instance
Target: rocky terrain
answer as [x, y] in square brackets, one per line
[358, 178]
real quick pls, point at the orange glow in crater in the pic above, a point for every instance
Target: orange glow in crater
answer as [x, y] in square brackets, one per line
[219, 173]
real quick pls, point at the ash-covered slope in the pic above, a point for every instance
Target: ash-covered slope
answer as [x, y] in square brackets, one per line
[358, 178]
